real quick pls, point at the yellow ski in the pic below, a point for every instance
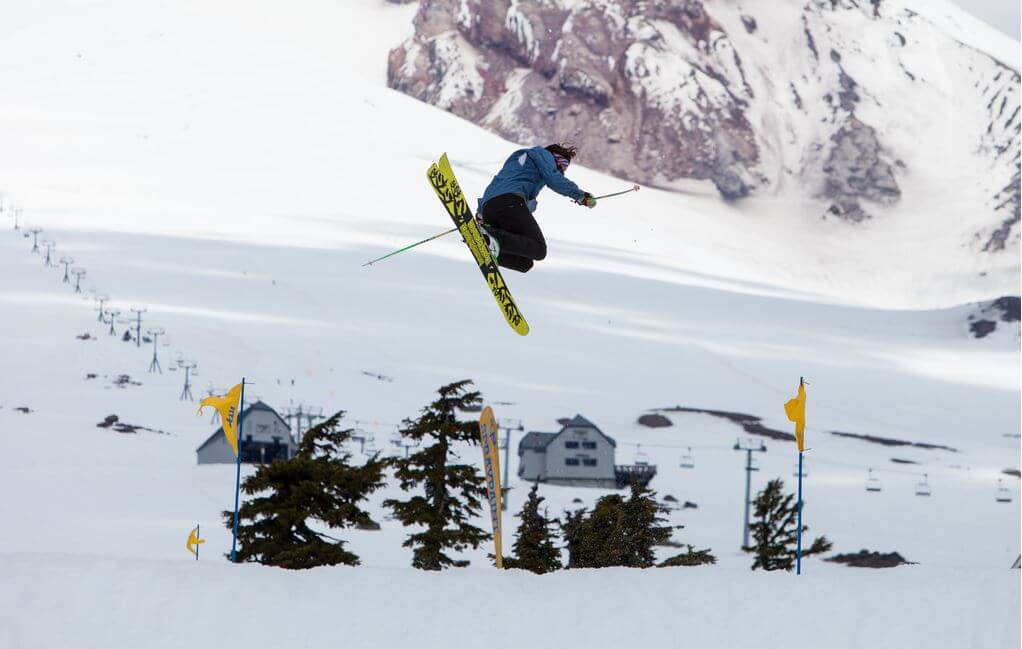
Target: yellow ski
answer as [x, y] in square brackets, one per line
[447, 189]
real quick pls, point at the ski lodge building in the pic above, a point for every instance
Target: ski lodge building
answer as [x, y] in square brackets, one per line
[265, 437]
[580, 455]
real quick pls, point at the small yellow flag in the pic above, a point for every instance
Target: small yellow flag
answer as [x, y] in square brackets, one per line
[194, 541]
[796, 411]
[227, 406]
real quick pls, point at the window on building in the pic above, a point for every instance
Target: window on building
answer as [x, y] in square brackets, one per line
[589, 461]
[571, 445]
[589, 445]
[571, 461]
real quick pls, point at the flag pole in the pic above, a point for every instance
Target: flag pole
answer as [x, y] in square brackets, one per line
[798, 543]
[237, 474]
[198, 535]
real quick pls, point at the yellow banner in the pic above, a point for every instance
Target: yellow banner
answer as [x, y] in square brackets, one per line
[193, 541]
[491, 465]
[228, 406]
[796, 411]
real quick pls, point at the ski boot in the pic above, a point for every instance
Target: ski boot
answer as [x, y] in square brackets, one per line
[491, 241]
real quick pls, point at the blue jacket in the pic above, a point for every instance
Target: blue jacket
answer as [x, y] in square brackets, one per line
[525, 173]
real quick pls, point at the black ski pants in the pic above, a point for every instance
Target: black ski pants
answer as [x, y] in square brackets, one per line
[521, 241]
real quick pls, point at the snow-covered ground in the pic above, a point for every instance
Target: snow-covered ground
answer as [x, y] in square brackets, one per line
[230, 165]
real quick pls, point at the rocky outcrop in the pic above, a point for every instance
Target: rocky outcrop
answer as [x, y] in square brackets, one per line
[1005, 309]
[604, 74]
[759, 98]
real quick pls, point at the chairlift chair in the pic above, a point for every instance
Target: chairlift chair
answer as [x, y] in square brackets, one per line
[687, 462]
[872, 482]
[923, 487]
[1003, 495]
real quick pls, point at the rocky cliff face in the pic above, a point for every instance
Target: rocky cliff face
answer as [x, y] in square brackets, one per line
[757, 96]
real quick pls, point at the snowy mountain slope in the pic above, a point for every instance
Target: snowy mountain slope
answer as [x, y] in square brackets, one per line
[234, 191]
[854, 105]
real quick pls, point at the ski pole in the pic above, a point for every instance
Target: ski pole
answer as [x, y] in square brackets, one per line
[417, 243]
[634, 188]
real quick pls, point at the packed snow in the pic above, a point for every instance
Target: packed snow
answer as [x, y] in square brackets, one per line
[229, 166]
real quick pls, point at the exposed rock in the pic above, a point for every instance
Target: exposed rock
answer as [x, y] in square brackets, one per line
[888, 441]
[855, 170]
[85, 336]
[370, 526]
[751, 424]
[655, 420]
[982, 328]
[123, 381]
[1003, 309]
[114, 422]
[867, 559]
[898, 460]
[25, 410]
[1014, 472]
[603, 74]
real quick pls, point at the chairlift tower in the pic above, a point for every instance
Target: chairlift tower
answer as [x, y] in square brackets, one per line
[112, 314]
[296, 413]
[49, 245]
[35, 239]
[749, 447]
[138, 311]
[102, 298]
[154, 366]
[79, 273]
[311, 415]
[16, 211]
[189, 368]
[67, 261]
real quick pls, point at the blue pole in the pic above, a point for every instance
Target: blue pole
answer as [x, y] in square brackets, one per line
[798, 543]
[198, 535]
[237, 474]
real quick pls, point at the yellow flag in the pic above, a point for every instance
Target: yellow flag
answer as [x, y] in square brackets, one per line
[194, 541]
[227, 406]
[491, 465]
[796, 411]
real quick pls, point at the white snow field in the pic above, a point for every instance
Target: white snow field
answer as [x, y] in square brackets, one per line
[229, 166]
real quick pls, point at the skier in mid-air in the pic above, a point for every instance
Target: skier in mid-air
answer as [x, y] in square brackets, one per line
[505, 211]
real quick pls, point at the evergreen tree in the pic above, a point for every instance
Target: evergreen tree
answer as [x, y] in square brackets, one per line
[318, 484]
[643, 531]
[534, 546]
[617, 532]
[775, 530]
[690, 557]
[452, 494]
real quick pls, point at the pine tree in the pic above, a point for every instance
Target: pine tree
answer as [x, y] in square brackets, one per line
[642, 526]
[691, 557]
[775, 530]
[318, 484]
[452, 494]
[534, 546]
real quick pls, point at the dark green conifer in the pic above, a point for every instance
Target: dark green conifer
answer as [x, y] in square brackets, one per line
[292, 500]
[691, 557]
[643, 531]
[774, 532]
[534, 545]
[451, 494]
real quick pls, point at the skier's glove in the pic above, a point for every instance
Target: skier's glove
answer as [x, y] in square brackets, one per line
[588, 200]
